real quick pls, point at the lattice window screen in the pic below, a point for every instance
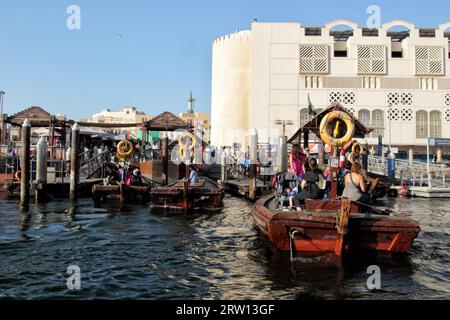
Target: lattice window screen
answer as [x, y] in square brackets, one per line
[447, 115]
[400, 99]
[400, 114]
[371, 59]
[429, 61]
[313, 59]
[447, 100]
[351, 110]
[346, 98]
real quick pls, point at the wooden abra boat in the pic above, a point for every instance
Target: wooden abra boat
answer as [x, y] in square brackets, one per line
[122, 192]
[324, 227]
[181, 196]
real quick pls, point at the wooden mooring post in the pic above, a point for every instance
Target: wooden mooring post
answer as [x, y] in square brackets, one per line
[253, 165]
[25, 165]
[41, 171]
[165, 160]
[75, 162]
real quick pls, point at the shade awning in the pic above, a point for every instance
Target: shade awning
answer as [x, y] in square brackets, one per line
[44, 132]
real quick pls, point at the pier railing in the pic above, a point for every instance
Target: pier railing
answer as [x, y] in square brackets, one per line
[58, 170]
[94, 166]
[415, 173]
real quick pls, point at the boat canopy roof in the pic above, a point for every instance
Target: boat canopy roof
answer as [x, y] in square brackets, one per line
[314, 125]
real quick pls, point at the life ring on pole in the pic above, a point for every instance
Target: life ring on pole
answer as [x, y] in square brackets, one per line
[356, 149]
[327, 137]
[182, 144]
[352, 157]
[125, 148]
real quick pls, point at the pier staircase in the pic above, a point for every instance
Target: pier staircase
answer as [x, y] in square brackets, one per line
[93, 167]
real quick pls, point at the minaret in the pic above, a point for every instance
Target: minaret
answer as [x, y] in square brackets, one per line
[191, 103]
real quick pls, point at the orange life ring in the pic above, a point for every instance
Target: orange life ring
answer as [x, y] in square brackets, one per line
[326, 136]
[125, 148]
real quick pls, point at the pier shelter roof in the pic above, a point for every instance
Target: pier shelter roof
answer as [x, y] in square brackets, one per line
[167, 121]
[314, 125]
[37, 116]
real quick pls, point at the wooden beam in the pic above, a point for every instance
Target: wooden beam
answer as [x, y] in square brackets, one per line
[342, 226]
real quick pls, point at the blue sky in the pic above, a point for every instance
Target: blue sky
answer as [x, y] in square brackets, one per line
[146, 53]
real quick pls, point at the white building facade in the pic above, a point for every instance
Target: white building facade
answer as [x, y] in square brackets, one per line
[396, 81]
[127, 115]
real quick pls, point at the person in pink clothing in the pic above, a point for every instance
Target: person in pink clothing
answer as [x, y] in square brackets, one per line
[297, 161]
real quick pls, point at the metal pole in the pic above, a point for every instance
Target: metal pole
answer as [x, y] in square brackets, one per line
[390, 128]
[165, 160]
[2, 136]
[282, 154]
[428, 164]
[253, 164]
[25, 164]
[75, 163]
[41, 174]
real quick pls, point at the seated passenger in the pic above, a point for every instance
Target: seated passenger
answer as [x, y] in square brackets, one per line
[310, 188]
[355, 186]
[341, 175]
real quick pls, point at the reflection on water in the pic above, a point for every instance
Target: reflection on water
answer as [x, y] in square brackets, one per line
[129, 253]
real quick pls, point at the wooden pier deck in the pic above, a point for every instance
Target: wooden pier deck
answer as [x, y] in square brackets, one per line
[54, 189]
[241, 187]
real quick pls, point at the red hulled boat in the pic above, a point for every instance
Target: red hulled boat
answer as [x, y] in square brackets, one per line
[316, 228]
[334, 225]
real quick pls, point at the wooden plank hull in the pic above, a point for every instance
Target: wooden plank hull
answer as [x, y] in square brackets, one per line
[205, 196]
[315, 231]
[123, 193]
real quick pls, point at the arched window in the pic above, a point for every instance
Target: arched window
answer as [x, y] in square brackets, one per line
[436, 124]
[398, 31]
[304, 117]
[445, 29]
[378, 123]
[341, 31]
[421, 124]
[364, 116]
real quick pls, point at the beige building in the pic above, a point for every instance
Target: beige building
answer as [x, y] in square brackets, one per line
[126, 115]
[395, 79]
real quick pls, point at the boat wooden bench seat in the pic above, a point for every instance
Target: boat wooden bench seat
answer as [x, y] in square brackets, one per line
[328, 206]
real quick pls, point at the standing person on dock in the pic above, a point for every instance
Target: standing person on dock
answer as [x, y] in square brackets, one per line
[297, 161]
[86, 153]
[122, 174]
[193, 178]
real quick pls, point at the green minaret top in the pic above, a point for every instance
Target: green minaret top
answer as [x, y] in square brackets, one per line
[191, 103]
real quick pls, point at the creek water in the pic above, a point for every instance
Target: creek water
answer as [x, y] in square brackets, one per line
[130, 253]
